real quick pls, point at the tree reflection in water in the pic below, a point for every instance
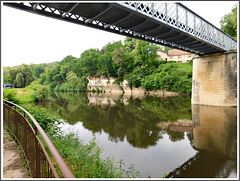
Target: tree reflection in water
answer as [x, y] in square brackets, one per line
[165, 123]
[136, 119]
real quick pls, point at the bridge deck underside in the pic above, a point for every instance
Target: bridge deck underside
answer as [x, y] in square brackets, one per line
[115, 18]
[129, 20]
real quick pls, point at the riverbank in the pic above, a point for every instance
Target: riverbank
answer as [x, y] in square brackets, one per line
[13, 164]
[107, 85]
[84, 160]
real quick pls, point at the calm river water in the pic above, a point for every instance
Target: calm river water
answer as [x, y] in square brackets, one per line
[157, 135]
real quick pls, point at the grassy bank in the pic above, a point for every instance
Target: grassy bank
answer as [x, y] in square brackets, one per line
[19, 95]
[84, 160]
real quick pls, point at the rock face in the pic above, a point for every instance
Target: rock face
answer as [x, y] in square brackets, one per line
[107, 86]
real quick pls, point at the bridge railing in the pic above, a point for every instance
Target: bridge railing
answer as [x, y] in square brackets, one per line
[196, 35]
[39, 161]
[180, 17]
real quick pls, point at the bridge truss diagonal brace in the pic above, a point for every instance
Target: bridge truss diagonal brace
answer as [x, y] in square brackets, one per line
[172, 15]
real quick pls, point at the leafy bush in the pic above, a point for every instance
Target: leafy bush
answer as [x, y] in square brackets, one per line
[10, 95]
[45, 120]
[171, 77]
[34, 85]
[42, 93]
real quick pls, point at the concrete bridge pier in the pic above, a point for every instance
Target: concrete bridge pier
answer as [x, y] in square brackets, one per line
[214, 80]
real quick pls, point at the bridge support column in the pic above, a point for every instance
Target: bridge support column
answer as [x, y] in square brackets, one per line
[214, 80]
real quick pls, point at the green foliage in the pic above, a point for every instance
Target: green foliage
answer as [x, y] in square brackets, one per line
[165, 175]
[19, 82]
[34, 85]
[42, 93]
[136, 61]
[19, 95]
[38, 69]
[10, 95]
[19, 76]
[85, 160]
[170, 77]
[6, 75]
[229, 23]
[47, 121]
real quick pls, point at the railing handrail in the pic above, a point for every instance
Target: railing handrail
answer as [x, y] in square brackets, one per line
[56, 155]
[205, 20]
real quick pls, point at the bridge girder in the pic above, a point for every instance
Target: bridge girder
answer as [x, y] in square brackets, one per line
[168, 24]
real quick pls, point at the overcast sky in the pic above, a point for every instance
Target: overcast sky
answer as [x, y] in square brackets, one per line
[30, 38]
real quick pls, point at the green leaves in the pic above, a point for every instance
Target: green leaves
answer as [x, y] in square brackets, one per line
[42, 93]
[170, 77]
[229, 23]
[20, 76]
[19, 82]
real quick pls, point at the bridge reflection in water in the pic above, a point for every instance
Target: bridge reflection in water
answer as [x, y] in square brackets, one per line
[215, 137]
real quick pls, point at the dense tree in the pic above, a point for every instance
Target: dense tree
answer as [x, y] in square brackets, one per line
[27, 73]
[24, 78]
[6, 75]
[146, 53]
[136, 61]
[38, 69]
[105, 66]
[19, 81]
[130, 44]
[229, 23]
[88, 62]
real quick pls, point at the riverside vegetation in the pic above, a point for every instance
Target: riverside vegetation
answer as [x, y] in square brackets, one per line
[136, 61]
[84, 160]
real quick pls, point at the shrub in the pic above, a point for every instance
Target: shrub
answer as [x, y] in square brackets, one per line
[10, 95]
[42, 93]
[34, 85]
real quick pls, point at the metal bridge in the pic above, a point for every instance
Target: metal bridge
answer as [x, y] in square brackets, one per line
[169, 24]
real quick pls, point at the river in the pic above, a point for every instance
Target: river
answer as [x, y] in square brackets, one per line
[157, 135]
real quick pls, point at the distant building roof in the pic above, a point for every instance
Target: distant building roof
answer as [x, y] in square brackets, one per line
[176, 52]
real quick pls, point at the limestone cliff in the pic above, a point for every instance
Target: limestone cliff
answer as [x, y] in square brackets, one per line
[107, 85]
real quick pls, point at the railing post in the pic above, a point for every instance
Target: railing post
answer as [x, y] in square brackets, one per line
[35, 151]
[25, 137]
[16, 122]
[8, 117]
[4, 109]
[38, 171]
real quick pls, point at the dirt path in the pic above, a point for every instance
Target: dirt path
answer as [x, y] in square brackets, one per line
[12, 162]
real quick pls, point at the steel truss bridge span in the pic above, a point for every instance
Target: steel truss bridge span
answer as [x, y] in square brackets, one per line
[168, 24]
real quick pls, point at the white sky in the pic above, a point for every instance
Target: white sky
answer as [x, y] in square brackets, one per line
[30, 38]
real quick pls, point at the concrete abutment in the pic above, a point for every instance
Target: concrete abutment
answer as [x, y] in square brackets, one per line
[214, 80]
